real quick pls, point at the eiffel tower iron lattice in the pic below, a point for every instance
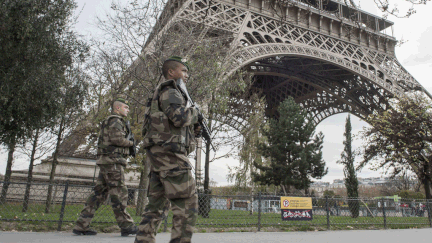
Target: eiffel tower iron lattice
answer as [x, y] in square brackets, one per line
[330, 57]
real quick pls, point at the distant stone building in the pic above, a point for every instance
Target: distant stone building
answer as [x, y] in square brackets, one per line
[319, 187]
[80, 172]
[76, 170]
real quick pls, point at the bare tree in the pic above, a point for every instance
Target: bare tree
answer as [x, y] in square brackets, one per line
[248, 153]
[41, 144]
[406, 180]
[71, 102]
[138, 40]
[409, 7]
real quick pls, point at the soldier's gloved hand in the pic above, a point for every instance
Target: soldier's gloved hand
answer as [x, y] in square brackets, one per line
[200, 117]
[197, 130]
[132, 149]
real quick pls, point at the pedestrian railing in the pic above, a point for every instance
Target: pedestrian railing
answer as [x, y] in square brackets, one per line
[216, 212]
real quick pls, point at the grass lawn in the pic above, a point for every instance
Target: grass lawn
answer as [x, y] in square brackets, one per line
[36, 219]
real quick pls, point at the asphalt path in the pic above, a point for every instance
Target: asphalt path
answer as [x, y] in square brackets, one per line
[348, 236]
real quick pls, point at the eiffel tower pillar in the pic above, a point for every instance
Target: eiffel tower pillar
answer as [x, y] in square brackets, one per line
[198, 166]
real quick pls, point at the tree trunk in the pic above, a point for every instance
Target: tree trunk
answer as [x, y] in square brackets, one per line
[143, 189]
[204, 199]
[198, 163]
[8, 172]
[286, 189]
[50, 185]
[252, 188]
[30, 173]
[207, 168]
[207, 161]
[426, 185]
[426, 180]
[54, 166]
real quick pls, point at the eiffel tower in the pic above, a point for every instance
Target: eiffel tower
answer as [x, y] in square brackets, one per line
[330, 57]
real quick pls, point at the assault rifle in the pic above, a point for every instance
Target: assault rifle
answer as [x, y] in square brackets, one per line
[130, 137]
[206, 133]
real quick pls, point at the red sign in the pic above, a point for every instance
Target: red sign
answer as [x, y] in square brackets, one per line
[286, 203]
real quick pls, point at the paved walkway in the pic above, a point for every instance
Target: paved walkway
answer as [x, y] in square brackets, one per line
[352, 236]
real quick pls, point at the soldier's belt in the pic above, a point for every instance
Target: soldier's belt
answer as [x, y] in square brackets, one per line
[113, 150]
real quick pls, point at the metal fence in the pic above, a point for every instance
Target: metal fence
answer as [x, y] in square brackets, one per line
[219, 212]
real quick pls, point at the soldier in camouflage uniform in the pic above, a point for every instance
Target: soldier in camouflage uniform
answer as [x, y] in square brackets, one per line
[169, 134]
[113, 148]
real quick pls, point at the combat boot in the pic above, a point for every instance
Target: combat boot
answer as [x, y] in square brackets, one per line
[84, 232]
[132, 230]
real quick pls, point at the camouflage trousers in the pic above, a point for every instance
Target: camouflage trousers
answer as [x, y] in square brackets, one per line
[110, 182]
[175, 187]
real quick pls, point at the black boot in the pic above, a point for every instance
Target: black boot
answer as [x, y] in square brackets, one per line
[129, 231]
[84, 232]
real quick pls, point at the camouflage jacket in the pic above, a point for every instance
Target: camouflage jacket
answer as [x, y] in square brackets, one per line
[170, 123]
[113, 147]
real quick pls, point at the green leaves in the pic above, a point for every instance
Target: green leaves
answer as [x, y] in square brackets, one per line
[347, 159]
[400, 137]
[37, 48]
[294, 154]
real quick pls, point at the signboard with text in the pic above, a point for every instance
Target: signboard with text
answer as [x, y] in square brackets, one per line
[296, 208]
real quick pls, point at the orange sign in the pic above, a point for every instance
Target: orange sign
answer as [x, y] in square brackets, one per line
[296, 203]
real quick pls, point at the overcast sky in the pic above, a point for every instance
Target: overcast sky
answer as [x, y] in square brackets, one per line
[415, 55]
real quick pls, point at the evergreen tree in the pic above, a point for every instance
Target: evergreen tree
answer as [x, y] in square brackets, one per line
[351, 182]
[294, 154]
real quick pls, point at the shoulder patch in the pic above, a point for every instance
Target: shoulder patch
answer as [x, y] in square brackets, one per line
[175, 97]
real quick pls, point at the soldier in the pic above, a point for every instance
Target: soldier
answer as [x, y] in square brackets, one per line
[113, 147]
[169, 135]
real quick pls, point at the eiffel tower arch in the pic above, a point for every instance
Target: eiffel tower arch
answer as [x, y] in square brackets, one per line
[330, 57]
